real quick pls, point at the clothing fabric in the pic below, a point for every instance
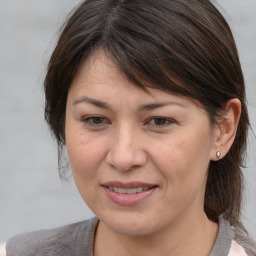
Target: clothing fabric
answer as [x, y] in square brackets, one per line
[77, 240]
[2, 249]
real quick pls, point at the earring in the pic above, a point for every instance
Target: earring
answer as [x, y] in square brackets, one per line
[218, 154]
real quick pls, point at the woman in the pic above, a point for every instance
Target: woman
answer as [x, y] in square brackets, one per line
[148, 98]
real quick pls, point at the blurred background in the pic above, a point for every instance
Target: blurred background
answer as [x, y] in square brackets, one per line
[32, 195]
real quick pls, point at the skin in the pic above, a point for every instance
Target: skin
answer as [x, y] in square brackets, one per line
[112, 136]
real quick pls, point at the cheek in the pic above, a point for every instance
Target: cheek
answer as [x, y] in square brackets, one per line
[84, 162]
[182, 160]
[84, 154]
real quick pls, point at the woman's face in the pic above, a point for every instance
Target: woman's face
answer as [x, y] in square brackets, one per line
[139, 160]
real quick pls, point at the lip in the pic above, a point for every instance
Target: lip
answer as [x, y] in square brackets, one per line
[128, 199]
[133, 184]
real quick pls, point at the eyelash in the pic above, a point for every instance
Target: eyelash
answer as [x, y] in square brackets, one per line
[90, 120]
[167, 121]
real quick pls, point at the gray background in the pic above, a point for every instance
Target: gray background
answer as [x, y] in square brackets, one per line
[31, 193]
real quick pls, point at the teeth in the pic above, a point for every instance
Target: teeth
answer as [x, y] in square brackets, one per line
[139, 189]
[131, 190]
[122, 190]
[128, 190]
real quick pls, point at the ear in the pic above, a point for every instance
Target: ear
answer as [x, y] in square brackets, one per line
[225, 131]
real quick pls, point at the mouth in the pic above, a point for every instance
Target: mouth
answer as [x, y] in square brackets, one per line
[128, 194]
[129, 190]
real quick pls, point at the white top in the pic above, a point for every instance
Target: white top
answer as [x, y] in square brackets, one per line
[2, 249]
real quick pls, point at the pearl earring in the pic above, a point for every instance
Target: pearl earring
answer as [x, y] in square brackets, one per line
[218, 154]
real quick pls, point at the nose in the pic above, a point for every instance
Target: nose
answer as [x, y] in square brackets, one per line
[125, 150]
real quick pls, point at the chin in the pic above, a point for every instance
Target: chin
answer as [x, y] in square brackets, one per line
[131, 225]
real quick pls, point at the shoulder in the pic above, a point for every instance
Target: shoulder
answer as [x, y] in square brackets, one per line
[68, 239]
[242, 243]
[232, 240]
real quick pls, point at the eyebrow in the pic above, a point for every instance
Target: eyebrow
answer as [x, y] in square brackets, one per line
[152, 106]
[142, 108]
[97, 103]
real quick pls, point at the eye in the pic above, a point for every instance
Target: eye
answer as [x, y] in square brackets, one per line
[95, 121]
[160, 121]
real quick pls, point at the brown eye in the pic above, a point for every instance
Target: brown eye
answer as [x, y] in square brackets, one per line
[159, 121]
[95, 120]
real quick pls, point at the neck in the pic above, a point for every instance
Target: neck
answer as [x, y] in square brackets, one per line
[195, 236]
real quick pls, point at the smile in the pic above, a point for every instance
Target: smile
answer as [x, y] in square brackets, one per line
[129, 194]
[128, 190]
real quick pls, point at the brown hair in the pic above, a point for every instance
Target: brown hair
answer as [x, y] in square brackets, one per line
[184, 47]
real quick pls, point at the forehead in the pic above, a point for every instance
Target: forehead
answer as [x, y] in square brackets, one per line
[99, 76]
[97, 68]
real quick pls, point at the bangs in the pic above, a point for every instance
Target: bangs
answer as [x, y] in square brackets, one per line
[175, 58]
